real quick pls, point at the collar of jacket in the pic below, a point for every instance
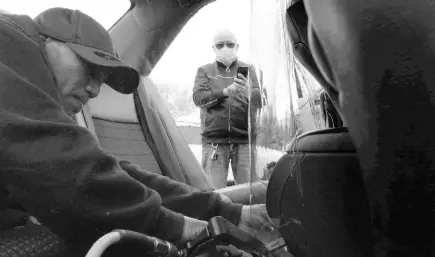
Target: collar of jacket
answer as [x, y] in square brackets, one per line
[219, 64]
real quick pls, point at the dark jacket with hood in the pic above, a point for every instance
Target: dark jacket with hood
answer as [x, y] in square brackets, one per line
[55, 170]
[224, 119]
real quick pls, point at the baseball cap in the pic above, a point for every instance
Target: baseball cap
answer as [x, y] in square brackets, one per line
[91, 41]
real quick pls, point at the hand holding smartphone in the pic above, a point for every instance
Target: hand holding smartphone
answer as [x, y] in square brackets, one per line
[242, 70]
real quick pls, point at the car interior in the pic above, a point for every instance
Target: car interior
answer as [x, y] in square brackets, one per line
[334, 185]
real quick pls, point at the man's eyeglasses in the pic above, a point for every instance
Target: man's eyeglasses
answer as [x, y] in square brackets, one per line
[221, 45]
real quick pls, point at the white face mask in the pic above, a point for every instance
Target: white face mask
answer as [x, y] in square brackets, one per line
[226, 55]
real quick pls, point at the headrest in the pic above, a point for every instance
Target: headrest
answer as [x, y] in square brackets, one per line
[298, 28]
[335, 140]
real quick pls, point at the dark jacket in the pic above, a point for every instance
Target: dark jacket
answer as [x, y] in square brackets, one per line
[55, 170]
[224, 119]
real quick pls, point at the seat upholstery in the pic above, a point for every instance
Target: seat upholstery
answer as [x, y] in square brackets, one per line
[317, 193]
[126, 141]
[378, 56]
[325, 140]
[179, 161]
[316, 189]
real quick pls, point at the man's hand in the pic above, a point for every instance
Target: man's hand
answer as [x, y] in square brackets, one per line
[192, 228]
[256, 217]
[231, 90]
[240, 86]
[231, 251]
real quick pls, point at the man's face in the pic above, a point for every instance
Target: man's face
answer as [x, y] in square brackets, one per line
[76, 79]
[228, 44]
[226, 51]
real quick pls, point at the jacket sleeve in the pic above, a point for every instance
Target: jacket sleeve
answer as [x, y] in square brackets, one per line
[56, 171]
[203, 95]
[185, 199]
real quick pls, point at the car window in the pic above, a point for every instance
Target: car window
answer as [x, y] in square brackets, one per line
[175, 72]
[288, 89]
[100, 10]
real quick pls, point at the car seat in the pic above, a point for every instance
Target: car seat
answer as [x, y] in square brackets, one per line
[377, 56]
[316, 189]
[316, 192]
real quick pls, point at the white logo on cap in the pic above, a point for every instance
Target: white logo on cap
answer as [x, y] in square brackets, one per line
[103, 55]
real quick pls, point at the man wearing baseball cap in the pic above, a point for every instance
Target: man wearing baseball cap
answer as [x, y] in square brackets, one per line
[53, 169]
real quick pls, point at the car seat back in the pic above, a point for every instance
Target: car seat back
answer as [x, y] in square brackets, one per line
[317, 193]
[378, 56]
[317, 190]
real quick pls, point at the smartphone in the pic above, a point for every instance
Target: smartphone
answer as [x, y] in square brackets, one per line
[243, 71]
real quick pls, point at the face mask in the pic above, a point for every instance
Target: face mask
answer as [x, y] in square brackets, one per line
[226, 55]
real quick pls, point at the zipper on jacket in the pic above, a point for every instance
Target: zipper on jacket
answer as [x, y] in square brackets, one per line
[229, 124]
[228, 70]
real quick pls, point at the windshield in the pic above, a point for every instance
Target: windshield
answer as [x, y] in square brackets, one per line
[105, 13]
[289, 95]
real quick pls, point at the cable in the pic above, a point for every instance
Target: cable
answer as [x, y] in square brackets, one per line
[152, 244]
[103, 243]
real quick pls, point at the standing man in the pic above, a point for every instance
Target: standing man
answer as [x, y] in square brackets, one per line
[223, 96]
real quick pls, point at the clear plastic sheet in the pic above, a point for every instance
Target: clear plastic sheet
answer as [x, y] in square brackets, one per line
[290, 95]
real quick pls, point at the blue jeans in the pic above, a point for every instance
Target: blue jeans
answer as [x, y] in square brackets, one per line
[217, 166]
